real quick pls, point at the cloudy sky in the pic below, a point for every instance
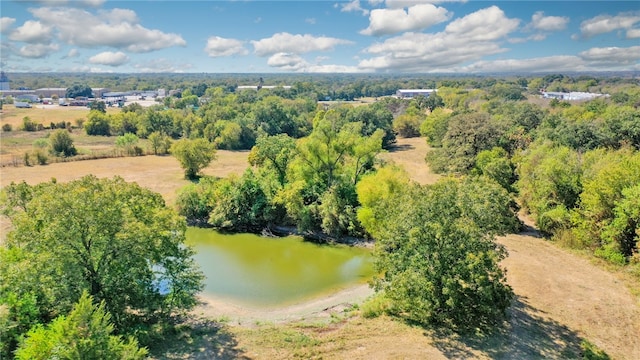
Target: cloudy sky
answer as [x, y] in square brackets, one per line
[384, 36]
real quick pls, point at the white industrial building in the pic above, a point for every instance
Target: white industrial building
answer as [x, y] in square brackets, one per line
[411, 93]
[571, 96]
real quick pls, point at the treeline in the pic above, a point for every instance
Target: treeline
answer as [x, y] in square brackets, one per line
[231, 121]
[575, 167]
[326, 86]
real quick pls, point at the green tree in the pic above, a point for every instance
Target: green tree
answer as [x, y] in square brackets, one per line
[62, 143]
[86, 333]
[437, 257]
[98, 106]
[435, 126]
[467, 134]
[97, 124]
[159, 143]
[113, 239]
[78, 90]
[193, 155]
[407, 126]
[274, 152]
[127, 142]
[549, 184]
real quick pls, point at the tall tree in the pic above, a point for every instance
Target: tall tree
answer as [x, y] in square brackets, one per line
[193, 155]
[437, 257]
[116, 240]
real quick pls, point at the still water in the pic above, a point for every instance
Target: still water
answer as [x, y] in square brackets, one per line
[272, 271]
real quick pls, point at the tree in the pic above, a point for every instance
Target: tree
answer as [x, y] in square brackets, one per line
[193, 155]
[78, 90]
[128, 143]
[62, 143]
[274, 152]
[114, 239]
[97, 124]
[467, 134]
[86, 333]
[98, 106]
[159, 143]
[436, 254]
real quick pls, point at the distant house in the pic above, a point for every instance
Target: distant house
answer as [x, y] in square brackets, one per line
[411, 93]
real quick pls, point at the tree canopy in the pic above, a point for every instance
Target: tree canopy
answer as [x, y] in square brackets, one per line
[112, 239]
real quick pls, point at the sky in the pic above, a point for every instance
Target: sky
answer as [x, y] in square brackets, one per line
[322, 36]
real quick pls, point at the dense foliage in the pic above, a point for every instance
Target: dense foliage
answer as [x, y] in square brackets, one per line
[86, 333]
[436, 253]
[112, 239]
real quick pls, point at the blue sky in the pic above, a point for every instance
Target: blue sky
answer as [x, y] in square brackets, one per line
[371, 36]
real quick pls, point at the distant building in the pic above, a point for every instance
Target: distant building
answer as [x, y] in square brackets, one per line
[571, 96]
[411, 93]
[49, 92]
[28, 98]
[258, 87]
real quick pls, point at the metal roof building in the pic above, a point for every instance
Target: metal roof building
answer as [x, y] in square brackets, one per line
[411, 93]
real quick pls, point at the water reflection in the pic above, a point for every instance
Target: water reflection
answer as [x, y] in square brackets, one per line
[269, 271]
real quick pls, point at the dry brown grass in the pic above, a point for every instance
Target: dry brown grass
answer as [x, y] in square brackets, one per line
[409, 153]
[45, 114]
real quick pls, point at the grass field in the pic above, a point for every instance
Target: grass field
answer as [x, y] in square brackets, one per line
[562, 298]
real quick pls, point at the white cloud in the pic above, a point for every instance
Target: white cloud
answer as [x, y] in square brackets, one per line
[162, 65]
[286, 61]
[296, 44]
[311, 21]
[5, 24]
[218, 46]
[417, 17]
[78, 3]
[110, 58]
[541, 64]
[73, 53]
[400, 4]
[464, 39]
[548, 23]
[633, 33]
[293, 62]
[117, 28]
[375, 2]
[37, 51]
[612, 55]
[606, 23]
[32, 32]
[354, 5]
[483, 25]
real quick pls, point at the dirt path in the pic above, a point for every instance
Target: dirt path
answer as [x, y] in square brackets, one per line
[315, 308]
[589, 301]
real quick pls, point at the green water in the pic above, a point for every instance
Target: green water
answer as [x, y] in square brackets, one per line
[271, 271]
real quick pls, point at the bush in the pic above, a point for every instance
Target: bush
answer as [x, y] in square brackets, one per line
[62, 144]
[375, 306]
[7, 127]
[28, 124]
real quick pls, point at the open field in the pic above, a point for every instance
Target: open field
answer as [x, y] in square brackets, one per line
[562, 298]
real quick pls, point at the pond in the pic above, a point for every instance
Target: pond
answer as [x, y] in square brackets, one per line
[261, 271]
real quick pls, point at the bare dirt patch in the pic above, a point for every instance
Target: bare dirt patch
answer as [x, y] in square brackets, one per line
[409, 153]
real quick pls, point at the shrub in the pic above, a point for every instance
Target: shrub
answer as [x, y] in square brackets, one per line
[62, 144]
[7, 127]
